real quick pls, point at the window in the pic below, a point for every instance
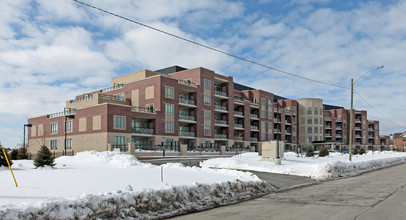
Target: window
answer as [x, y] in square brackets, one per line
[309, 139]
[69, 126]
[263, 113]
[316, 111]
[168, 92]
[207, 100]
[119, 122]
[376, 127]
[321, 121]
[294, 109]
[309, 111]
[207, 84]
[69, 144]
[54, 128]
[119, 97]
[316, 130]
[54, 144]
[344, 125]
[294, 139]
[263, 102]
[309, 121]
[344, 117]
[149, 108]
[270, 113]
[119, 142]
[169, 127]
[168, 109]
[207, 115]
[269, 103]
[207, 131]
[309, 130]
[321, 112]
[316, 138]
[316, 120]
[263, 130]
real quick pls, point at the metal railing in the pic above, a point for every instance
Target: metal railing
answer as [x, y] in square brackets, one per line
[220, 122]
[187, 117]
[253, 115]
[187, 101]
[220, 136]
[239, 99]
[122, 147]
[70, 111]
[239, 138]
[253, 127]
[119, 86]
[238, 126]
[220, 93]
[238, 113]
[253, 139]
[187, 83]
[220, 107]
[187, 133]
[143, 130]
[142, 109]
[83, 98]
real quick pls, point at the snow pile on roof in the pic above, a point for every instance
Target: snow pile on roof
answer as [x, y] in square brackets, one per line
[96, 158]
[320, 168]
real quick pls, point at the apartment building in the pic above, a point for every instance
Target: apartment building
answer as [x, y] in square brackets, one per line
[399, 140]
[168, 107]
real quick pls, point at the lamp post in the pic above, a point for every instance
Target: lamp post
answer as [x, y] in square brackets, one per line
[70, 117]
[29, 126]
[351, 111]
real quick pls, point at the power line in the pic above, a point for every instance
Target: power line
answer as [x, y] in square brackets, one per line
[378, 111]
[210, 48]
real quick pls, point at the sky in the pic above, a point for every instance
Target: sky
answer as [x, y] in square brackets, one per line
[51, 51]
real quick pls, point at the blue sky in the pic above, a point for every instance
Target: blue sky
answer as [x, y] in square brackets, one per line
[51, 51]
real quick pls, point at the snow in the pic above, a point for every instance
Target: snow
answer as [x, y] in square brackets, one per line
[319, 168]
[97, 184]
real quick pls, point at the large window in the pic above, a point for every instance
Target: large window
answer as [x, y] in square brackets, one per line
[168, 92]
[168, 109]
[316, 130]
[207, 131]
[309, 139]
[69, 126]
[309, 111]
[309, 130]
[207, 100]
[119, 142]
[69, 144]
[207, 115]
[316, 111]
[54, 128]
[207, 84]
[316, 120]
[263, 130]
[54, 144]
[309, 120]
[169, 127]
[119, 122]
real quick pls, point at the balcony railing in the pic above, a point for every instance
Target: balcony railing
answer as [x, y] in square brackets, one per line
[370, 129]
[338, 128]
[327, 126]
[187, 133]
[187, 117]
[238, 113]
[277, 131]
[220, 122]
[338, 136]
[220, 136]
[188, 83]
[220, 107]
[112, 97]
[187, 101]
[288, 122]
[143, 131]
[357, 143]
[83, 98]
[358, 136]
[238, 99]
[69, 111]
[357, 128]
[253, 115]
[238, 138]
[327, 135]
[358, 120]
[255, 139]
[119, 86]
[220, 93]
[238, 126]
[253, 127]
[122, 147]
[142, 109]
[276, 120]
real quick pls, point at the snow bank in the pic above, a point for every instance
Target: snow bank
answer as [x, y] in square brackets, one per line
[95, 158]
[153, 204]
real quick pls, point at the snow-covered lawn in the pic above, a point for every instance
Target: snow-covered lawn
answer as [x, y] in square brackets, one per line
[320, 168]
[78, 186]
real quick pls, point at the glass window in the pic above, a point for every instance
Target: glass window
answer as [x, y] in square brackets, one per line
[344, 117]
[316, 111]
[270, 113]
[310, 139]
[119, 122]
[69, 126]
[321, 112]
[321, 121]
[207, 100]
[309, 130]
[119, 141]
[263, 113]
[344, 125]
[207, 130]
[309, 121]
[309, 110]
[207, 115]
[263, 102]
[207, 84]
[69, 144]
[169, 127]
[54, 128]
[269, 103]
[168, 92]
[168, 109]
[316, 138]
[316, 120]
[54, 144]
[316, 130]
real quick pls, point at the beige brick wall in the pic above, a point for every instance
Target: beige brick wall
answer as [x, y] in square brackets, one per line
[149, 92]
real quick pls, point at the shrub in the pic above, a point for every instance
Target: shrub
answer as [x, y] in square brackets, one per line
[361, 151]
[309, 152]
[323, 151]
[355, 150]
[44, 158]
[13, 154]
[3, 161]
[22, 154]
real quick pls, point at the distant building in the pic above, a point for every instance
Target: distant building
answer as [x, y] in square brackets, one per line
[399, 140]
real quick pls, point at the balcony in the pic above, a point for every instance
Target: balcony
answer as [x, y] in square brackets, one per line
[338, 136]
[238, 138]
[238, 114]
[338, 128]
[254, 139]
[187, 134]
[220, 108]
[288, 122]
[238, 126]
[188, 118]
[220, 94]
[254, 104]
[119, 86]
[327, 126]
[288, 132]
[240, 99]
[327, 118]
[254, 116]
[69, 111]
[220, 136]
[187, 83]
[357, 120]
[143, 110]
[83, 98]
[370, 129]
[187, 102]
[222, 123]
[276, 120]
[357, 136]
[357, 128]
[254, 128]
[357, 143]
[327, 135]
[277, 131]
[370, 136]
[146, 131]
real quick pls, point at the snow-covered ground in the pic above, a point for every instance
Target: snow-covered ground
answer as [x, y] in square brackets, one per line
[320, 168]
[93, 184]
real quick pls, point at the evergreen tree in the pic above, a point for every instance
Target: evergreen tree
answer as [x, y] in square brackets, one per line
[22, 154]
[361, 151]
[309, 152]
[3, 161]
[355, 150]
[44, 158]
[13, 154]
[323, 151]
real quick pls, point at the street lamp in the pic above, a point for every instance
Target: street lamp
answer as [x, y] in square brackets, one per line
[29, 126]
[70, 117]
[351, 111]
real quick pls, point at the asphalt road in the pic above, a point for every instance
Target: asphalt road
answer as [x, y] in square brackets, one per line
[378, 194]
